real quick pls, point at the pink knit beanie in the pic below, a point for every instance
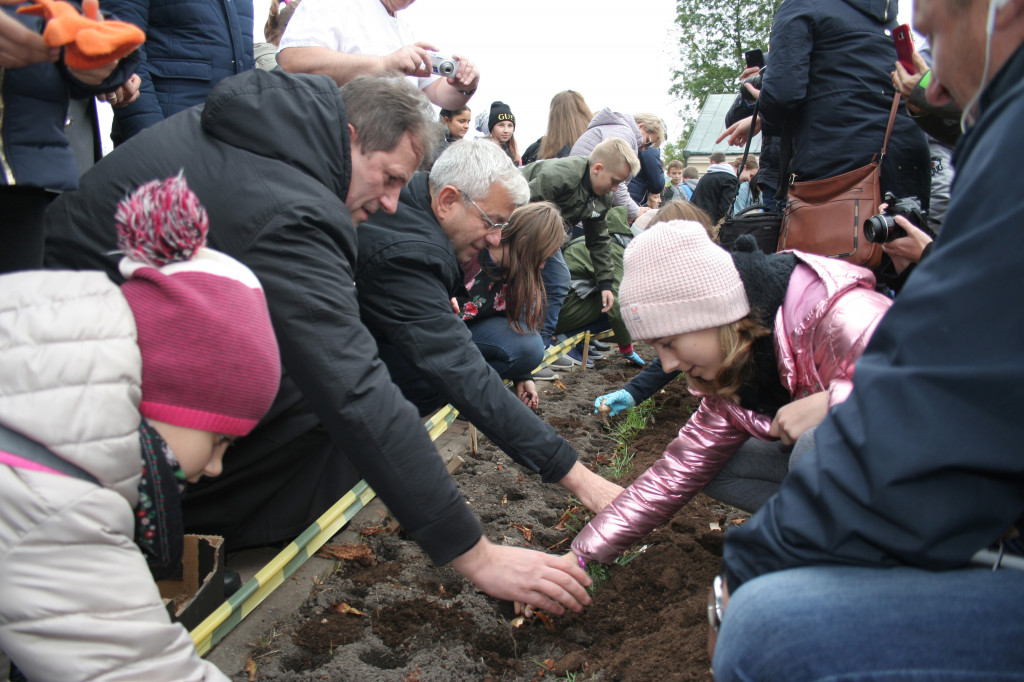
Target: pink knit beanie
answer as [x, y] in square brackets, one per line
[676, 280]
[209, 355]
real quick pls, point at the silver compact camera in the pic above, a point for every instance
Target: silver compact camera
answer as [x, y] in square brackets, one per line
[444, 66]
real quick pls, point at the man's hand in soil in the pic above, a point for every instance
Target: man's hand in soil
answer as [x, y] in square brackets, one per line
[568, 561]
[594, 491]
[793, 419]
[523, 575]
[526, 390]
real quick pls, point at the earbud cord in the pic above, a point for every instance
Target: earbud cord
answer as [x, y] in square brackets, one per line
[993, 7]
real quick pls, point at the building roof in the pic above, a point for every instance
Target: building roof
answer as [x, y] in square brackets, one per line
[710, 125]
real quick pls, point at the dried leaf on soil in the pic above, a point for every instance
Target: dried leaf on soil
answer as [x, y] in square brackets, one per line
[346, 551]
[250, 669]
[344, 609]
[525, 530]
[384, 529]
[550, 625]
[569, 515]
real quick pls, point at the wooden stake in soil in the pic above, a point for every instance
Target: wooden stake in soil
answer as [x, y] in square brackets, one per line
[473, 442]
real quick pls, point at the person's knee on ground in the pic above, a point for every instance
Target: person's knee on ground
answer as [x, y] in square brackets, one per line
[751, 476]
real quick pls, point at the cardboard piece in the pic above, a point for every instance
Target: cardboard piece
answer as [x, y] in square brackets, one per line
[201, 587]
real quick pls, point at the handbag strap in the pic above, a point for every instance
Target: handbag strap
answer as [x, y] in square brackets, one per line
[746, 150]
[26, 448]
[892, 121]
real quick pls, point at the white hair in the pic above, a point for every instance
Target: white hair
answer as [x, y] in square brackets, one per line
[474, 166]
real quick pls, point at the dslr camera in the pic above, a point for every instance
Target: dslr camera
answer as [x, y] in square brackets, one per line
[443, 66]
[882, 228]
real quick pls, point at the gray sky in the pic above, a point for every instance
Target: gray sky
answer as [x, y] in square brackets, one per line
[616, 53]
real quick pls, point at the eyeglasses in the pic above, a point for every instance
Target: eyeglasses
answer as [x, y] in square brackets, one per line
[493, 225]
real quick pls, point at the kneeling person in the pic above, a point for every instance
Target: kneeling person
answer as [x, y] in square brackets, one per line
[408, 272]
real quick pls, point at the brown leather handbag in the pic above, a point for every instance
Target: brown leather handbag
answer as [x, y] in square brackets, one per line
[827, 216]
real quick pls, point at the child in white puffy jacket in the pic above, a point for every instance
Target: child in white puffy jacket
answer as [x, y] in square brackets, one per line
[111, 398]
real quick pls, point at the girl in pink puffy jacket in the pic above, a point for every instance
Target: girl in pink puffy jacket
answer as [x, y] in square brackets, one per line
[768, 341]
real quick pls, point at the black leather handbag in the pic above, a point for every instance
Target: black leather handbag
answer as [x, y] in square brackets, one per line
[755, 220]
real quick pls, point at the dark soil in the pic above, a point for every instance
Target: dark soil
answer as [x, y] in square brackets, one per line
[421, 623]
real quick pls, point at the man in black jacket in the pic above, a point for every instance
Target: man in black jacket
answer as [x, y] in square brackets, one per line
[286, 165]
[409, 271]
[875, 559]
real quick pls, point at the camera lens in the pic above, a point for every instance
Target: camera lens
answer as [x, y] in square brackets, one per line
[879, 228]
[446, 68]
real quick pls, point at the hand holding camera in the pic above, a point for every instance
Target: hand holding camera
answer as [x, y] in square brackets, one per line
[750, 88]
[883, 227]
[412, 60]
[443, 66]
[898, 229]
[750, 79]
[460, 72]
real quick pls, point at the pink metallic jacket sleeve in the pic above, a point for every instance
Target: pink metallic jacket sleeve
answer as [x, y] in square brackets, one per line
[703, 446]
[841, 336]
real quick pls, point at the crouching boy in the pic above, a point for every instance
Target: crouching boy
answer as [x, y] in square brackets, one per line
[582, 188]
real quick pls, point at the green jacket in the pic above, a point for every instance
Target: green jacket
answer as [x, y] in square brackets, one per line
[577, 310]
[566, 183]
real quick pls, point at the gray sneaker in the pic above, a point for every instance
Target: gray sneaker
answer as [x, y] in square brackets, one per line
[544, 374]
[560, 363]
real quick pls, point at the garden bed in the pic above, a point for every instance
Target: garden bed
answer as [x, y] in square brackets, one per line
[394, 616]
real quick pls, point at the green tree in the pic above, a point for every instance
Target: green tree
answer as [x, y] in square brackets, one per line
[712, 37]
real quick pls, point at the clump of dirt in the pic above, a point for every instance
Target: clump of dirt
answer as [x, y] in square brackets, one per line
[421, 623]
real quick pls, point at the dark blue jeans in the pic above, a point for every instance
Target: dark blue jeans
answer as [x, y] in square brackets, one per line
[555, 274]
[511, 354]
[874, 624]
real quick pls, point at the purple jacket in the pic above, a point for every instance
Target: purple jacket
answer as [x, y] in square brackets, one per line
[827, 317]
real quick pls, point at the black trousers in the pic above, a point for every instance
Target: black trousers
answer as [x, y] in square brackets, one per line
[21, 227]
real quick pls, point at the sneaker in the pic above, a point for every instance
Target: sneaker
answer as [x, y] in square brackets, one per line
[593, 354]
[560, 363]
[600, 346]
[544, 374]
[576, 358]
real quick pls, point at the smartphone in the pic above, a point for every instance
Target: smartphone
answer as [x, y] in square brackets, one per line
[904, 47]
[754, 58]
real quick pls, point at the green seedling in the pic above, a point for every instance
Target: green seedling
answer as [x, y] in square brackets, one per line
[623, 432]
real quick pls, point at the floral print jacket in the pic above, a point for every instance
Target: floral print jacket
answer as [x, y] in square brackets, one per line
[485, 287]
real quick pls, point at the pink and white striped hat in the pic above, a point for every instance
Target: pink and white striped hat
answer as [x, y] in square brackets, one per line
[210, 359]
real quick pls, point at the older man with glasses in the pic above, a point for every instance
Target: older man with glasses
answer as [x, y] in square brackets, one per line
[409, 270]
